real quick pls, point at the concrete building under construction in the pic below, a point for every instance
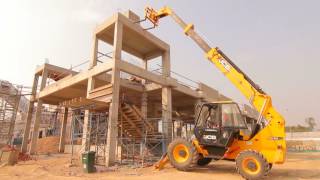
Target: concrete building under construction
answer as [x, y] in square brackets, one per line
[137, 103]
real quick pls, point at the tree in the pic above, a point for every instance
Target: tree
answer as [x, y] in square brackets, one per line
[311, 122]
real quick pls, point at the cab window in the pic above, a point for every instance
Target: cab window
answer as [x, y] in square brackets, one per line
[231, 116]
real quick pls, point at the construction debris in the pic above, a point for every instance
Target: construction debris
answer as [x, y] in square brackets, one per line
[8, 155]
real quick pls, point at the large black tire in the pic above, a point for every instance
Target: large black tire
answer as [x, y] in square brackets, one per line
[252, 165]
[203, 161]
[182, 154]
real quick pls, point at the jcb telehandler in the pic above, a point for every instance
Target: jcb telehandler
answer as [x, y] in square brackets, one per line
[219, 126]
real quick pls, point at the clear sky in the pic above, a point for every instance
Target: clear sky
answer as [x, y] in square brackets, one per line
[275, 42]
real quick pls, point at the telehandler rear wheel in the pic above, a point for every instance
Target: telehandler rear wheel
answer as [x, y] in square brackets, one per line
[252, 165]
[182, 154]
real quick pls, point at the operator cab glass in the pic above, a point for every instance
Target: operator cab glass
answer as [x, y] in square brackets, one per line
[217, 125]
[220, 115]
[231, 116]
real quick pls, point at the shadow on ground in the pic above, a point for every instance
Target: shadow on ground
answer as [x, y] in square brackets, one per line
[287, 174]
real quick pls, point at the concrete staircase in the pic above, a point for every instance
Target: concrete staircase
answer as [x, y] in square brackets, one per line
[132, 121]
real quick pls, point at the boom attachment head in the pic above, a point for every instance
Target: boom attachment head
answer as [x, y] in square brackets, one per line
[153, 16]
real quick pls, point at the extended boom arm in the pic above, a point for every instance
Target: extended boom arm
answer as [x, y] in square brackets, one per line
[256, 96]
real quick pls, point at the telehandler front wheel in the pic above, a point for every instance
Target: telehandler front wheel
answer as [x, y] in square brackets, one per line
[252, 165]
[182, 154]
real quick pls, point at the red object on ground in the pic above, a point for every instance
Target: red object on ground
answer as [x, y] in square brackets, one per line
[24, 157]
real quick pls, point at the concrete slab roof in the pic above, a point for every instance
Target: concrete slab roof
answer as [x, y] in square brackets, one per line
[136, 40]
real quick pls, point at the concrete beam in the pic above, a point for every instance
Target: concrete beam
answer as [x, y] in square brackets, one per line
[208, 93]
[72, 80]
[52, 68]
[137, 28]
[145, 74]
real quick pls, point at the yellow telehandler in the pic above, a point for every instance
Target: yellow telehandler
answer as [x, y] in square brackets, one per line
[219, 126]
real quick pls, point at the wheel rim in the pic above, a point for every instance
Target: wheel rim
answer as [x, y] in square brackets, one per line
[251, 165]
[180, 153]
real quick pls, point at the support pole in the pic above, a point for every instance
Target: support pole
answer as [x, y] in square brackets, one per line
[63, 130]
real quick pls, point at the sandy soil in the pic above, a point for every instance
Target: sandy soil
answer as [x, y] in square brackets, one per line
[298, 166]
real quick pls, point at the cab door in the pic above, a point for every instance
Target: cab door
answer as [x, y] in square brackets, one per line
[217, 126]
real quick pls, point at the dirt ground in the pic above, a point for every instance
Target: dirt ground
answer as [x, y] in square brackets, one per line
[297, 166]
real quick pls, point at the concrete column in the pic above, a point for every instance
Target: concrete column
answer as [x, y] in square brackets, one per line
[85, 131]
[93, 62]
[114, 105]
[144, 96]
[26, 132]
[63, 130]
[166, 101]
[36, 123]
[167, 114]
[144, 107]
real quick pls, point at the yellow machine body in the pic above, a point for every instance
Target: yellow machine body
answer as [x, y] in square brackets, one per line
[270, 140]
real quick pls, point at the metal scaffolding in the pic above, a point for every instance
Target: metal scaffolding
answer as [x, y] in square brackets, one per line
[10, 96]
